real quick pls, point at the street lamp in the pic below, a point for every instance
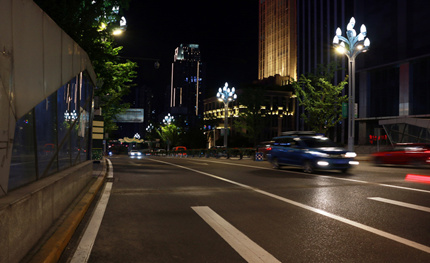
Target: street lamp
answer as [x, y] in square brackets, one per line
[226, 95]
[70, 116]
[351, 46]
[168, 119]
[150, 127]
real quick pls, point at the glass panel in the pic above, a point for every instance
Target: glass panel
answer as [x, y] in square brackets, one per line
[46, 133]
[84, 131]
[63, 98]
[73, 120]
[23, 164]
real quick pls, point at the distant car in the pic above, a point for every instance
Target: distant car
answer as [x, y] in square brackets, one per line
[180, 151]
[134, 153]
[265, 147]
[48, 148]
[311, 152]
[404, 154]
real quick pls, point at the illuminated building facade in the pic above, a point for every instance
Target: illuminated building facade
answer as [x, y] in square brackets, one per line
[278, 109]
[277, 46]
[186, 89]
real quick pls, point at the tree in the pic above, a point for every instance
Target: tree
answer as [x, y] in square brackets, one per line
[322, 101]
[250, 121]
[90, 23]
[169, 134]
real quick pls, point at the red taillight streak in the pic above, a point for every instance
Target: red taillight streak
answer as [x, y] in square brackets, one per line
[269, 148]
[418, 178]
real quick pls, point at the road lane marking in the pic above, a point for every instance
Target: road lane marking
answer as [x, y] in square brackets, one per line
[83, 252]
[243, 245]
[329, 177]
[198, 163]
[315, 210]
[398, 203]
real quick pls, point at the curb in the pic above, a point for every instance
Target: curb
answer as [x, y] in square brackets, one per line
[51, 251]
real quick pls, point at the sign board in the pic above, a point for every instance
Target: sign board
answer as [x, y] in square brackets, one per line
[130, 116]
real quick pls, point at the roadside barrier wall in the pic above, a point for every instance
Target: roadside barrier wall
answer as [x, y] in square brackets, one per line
[27, 213]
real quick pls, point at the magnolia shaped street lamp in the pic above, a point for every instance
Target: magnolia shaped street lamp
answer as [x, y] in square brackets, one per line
[226, 95]
[150, 127]
[351, 46]
[70, 116]
[168, 119]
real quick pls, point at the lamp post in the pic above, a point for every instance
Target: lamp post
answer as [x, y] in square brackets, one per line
[226, 95]
[351, 46]
[168, 119]
[70, 116]
[149, 128]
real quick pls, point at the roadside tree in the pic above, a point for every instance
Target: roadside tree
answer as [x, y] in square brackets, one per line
[322, 101]
[90, 24]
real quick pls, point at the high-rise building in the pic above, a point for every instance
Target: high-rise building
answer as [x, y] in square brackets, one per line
[277, 46]
[187, 90]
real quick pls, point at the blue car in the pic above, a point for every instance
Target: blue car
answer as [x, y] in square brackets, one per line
[311, 152]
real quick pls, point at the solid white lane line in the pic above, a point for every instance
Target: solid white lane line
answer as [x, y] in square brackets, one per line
[315, 210]
[85, 246]
[247, 248]
[198, 163]
[393, 202]
[329, 177]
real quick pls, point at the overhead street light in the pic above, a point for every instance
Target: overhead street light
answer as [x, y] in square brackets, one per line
[226, 95]
[351, 46]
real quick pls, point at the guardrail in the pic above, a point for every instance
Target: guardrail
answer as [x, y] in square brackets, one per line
[211, 153]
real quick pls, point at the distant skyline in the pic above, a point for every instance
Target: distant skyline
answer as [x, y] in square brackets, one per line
[227, 32]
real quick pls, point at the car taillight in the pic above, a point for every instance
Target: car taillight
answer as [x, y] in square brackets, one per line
[269, 148]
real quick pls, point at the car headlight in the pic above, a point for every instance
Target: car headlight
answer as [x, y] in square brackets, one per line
[350, 155]
[319, 154]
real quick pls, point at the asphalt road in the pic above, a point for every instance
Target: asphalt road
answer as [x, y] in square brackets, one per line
[163, 209]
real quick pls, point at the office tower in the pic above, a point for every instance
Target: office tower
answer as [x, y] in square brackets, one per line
[277, 46]
[186, 88]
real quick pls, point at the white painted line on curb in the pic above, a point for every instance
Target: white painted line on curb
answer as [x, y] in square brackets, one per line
[315, 210]
[247, 248]
[83, 252]
[393, 202]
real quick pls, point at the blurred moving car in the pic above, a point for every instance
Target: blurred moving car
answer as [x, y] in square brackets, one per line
[310, 151]
[134, 153]
[404, 154]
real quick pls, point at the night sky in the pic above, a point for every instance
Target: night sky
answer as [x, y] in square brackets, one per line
[226, 30]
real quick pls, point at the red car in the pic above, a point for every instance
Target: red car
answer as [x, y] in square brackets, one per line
[180, 151]
[404, 153]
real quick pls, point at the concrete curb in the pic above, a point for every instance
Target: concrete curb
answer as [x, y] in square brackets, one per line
[51, 251]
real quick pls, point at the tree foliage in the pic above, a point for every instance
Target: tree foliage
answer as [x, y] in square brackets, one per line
[169, 134]
[90, 23]
[322, 101]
